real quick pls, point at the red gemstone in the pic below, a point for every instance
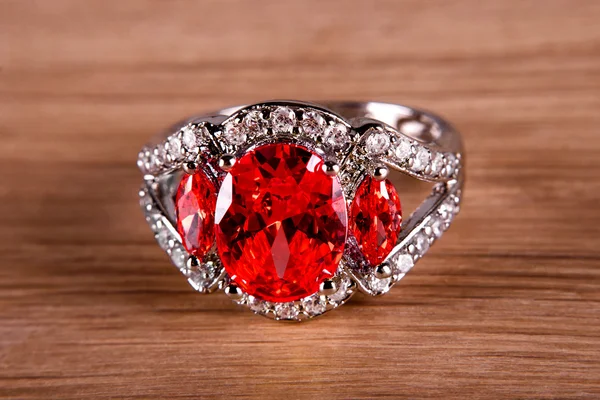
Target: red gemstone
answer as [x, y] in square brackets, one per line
[195, 206]
[376, 217]
[281, 223]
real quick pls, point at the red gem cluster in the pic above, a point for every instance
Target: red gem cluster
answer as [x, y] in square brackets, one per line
[281, 224]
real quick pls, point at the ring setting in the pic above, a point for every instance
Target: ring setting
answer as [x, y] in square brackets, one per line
[287, 207]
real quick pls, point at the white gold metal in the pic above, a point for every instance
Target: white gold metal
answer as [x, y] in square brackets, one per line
[366, 138]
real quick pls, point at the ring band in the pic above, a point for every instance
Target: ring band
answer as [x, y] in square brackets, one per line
[286, 205]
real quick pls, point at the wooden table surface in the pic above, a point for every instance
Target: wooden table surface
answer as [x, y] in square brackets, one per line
[506, 305]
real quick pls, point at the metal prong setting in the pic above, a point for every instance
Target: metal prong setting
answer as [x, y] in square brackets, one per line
[331, 168]
[226, 162]
[380, 172]
[328, 287]
[233, 291]
[191, 167]
[383, 271]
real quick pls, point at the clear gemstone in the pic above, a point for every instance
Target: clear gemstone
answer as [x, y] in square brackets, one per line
[437, 163]
[336, 135]
[314, 305]
[254, 123]
[403, 263]
[378, 285]
[189, 139]
[179, 257]
[283, 119]
[421, 160]
[234, 134]
[258, 306]
[437, 227]
[450, 164]
[174, 148]
[378, 142]
[342, 292]
[162, 237]
[403, 149]
[422, 243]
[312, 123]
[286, 311]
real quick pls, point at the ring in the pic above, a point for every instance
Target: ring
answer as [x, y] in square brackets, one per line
[286, 206]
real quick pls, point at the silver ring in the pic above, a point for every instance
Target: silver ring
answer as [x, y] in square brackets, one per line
[285, 205]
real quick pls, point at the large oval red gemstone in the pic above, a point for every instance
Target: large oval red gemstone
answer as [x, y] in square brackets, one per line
[281, 223]
[195, 203]
[376, 218]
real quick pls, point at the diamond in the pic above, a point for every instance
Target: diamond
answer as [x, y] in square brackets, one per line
[254, 123]
[195, 204]
[281, 223]
[421, 243]
[312, 123]
[179, 257]
[437, 163]
[378, 285]
[336, 135]
[286, 311]
[421, 160]
[450, 164]
[163, 239]
[314, 305]
[189, 139]
[376, 218]
[438, 227]
[377, 142]
[342, 292]
[403, 263]
[234, 134]
[174, 148]
[257, 305]
[403, 149]
[283, 120]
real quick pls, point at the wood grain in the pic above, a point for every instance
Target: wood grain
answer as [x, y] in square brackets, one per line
[506, 305]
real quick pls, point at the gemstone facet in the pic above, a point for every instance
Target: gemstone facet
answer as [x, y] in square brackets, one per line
[281, 223]
[195, 203]
[376, 218]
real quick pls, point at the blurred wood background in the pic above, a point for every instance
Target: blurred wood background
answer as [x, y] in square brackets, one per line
[506, 305]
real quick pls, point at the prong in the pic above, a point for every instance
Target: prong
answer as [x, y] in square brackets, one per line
[192, 263]
[328, 287]
[383, 271]
[380, 172]
[233, 292]
[190, 167]
[226, 162]
[331, 168]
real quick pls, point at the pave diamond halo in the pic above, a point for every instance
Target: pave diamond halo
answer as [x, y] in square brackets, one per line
[285, 206]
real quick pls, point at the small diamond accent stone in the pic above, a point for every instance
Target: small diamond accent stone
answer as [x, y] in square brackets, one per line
[314, 305]
[179, 257]
[174, 148]
[378, 285]
[437, 164]
[336, 135]
[312, 123]
[437, 227]
[286, 311]
[254, 123]
[234, 134]
[378, 142]
[421, 160]
[422, 243]
[403, 149]
[162, 237]
[403, 263]
[342, 292]
[283, 119]
[450, 162]
[257, 305]
[189, 139]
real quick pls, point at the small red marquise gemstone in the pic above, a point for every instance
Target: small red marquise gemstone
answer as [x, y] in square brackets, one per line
[376, 218]
[195, 203]
[281, 222]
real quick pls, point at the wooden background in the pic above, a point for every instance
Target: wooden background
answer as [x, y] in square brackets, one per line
[506, 305]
